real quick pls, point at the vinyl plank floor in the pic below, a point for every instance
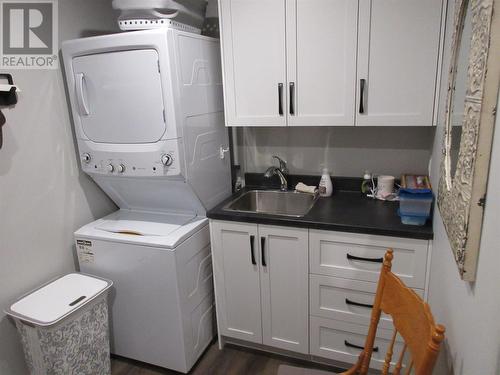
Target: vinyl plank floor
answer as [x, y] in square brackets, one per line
[232, 360]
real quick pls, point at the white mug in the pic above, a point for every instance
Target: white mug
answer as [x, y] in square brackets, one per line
[385, 186]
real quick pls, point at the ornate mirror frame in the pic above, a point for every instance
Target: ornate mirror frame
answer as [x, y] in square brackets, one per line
[462, 197]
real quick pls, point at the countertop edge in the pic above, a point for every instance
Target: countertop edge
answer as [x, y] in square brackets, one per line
[290, 222]
[323, 215]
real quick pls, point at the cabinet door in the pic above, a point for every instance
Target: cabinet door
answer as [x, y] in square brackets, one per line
[284, 287]
[397, 61]
[237, 284]
[253, 45]
[101, 95]
[321, 62]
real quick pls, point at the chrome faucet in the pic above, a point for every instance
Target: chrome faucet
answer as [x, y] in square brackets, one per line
[281, 171]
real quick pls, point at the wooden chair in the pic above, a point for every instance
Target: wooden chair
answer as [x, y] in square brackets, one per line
[413, 321]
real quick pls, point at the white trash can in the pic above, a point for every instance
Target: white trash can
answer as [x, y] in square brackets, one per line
[64, 326]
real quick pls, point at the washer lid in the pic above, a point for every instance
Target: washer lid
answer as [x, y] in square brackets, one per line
[54, 301]
[142, 228]
[144, 223]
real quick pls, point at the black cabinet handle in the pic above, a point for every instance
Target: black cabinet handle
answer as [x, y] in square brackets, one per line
[262, 250]
[373, 260]
[280, 99]
[347, 343]
[362, 95]
[79, 299]
[252, 253]
[349, 302]
[292, 98]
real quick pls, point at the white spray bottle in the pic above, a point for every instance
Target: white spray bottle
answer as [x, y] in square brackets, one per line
[325, 184]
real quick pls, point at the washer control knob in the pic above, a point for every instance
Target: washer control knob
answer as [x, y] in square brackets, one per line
[167, 160]
[110, 168]
[86, 158]
[120, 168]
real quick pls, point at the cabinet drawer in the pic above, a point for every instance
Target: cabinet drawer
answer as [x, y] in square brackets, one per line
[335, 340]
[342, 299]
[359, 256]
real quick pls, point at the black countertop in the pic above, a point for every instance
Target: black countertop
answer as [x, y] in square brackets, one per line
[345, 211]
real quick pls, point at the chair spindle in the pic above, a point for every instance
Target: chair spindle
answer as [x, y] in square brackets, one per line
[412, 320]
[399, 364]
[408, 370]
[388, 355]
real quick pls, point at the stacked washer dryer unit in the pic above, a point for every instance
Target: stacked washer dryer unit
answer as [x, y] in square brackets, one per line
[148, 114]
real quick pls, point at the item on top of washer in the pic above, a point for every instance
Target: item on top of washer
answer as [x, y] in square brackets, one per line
[187, 15]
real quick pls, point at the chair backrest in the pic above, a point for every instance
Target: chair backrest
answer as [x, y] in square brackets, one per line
[412, 320]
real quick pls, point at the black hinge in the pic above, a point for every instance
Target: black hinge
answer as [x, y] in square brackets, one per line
[158, 62]
[482, 202]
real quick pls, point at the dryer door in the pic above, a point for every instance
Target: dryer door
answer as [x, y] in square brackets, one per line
[119, 96]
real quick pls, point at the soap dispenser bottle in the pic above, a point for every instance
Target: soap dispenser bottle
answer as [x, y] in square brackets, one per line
[367, 184]
[325, 184]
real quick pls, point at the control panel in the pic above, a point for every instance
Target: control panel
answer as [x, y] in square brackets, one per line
[160, 159]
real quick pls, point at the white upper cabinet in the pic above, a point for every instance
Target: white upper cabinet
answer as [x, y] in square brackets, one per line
[321, 62]
[254, 62]
[398, 50]
[330, 62]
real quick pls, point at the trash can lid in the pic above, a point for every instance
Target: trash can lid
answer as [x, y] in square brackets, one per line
[55, 300]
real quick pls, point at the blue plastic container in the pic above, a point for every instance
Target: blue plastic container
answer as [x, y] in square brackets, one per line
[413, 219]
[415, 204]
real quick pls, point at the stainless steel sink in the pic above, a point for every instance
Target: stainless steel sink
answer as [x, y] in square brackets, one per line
[285, 203]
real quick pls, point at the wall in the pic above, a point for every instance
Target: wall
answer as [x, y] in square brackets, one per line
[346, 151]
[470, 311]
[43, 195]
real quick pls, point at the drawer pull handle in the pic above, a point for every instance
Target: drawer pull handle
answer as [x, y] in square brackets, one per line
[252, 253]
[373, 260]
[280, 99]
[362, 83]
[292, 98]
[347, 343]
[79, 299]
[262, 250]
[349, 302]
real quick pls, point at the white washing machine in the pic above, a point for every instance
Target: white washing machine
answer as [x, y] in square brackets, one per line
[162, 308]
[148, 114]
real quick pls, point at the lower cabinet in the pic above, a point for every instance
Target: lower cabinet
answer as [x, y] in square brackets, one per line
[307, 291]
[261, 281]
[341, 341]
[236, 264]
[346, 300]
